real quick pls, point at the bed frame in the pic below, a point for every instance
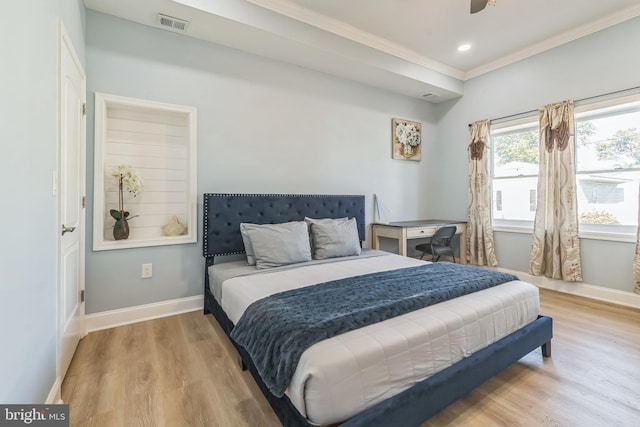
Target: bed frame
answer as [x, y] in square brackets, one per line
[223, 214]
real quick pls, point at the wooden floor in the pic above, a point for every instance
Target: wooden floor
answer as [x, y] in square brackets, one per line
[181, 371]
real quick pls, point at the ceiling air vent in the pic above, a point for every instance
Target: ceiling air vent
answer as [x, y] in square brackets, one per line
[171, 23]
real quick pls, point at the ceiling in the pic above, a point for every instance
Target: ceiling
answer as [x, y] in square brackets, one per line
[405, 46]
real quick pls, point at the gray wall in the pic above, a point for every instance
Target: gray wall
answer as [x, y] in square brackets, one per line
[263, 126]
[597, 64]
[28, 108]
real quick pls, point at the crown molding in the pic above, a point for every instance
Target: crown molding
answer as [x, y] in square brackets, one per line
[560, 39]
[294, 11]
[349, 32]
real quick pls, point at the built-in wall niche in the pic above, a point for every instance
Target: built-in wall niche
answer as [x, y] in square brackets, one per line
[157, 142]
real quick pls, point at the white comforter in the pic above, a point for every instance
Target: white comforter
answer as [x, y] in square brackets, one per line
[340, 377]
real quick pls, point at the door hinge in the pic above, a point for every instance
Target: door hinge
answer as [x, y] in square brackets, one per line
[82, 295]
[83, 201]
[84, 109]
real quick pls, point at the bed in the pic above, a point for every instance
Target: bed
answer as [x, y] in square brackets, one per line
[382, 392]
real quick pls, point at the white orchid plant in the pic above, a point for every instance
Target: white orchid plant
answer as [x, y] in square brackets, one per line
[129, 180]
[408, 134]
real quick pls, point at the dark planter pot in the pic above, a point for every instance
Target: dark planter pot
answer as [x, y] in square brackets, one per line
[121, 229]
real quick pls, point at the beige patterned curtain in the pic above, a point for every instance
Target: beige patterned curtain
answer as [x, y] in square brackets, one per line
[555, 251]
[480, 249]
[636, 259]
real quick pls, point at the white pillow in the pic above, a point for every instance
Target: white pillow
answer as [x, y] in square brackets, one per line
[335, 238]
[274, 245]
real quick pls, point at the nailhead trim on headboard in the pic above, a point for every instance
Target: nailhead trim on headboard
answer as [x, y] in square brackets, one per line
[223, 213]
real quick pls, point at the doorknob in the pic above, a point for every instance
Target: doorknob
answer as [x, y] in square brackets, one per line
[66, 229]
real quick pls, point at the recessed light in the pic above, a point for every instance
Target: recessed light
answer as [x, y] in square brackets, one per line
[464, 47]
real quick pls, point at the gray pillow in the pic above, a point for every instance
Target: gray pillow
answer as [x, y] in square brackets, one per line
[274, 245]
[311, 221]
[335, 239]
[251, 260]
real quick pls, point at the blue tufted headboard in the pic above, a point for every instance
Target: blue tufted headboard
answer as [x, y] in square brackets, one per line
[223, 214]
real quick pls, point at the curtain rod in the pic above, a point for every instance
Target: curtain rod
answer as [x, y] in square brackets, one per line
[616, 92]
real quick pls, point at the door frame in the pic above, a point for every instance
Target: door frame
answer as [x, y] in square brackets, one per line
[64, 41]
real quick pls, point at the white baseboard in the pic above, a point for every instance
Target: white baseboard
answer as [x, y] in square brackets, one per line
[615, 296]
[140, 313]
[54, 396]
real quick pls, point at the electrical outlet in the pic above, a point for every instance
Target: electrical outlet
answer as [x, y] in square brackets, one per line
[147, 271]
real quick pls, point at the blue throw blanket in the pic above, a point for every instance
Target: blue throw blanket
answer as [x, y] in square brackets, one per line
[276, 330]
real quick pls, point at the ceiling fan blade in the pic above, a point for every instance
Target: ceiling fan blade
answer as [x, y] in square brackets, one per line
[478, 5]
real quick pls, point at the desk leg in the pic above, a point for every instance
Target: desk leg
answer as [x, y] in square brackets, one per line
[375, 239]
[463, 246]
[402, 242]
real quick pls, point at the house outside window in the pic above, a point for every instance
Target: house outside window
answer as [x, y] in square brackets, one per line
[514, 172]
[533, 200]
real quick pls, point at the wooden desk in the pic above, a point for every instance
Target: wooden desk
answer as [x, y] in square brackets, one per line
[406, 230]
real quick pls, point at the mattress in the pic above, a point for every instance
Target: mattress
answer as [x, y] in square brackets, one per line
[344, 375]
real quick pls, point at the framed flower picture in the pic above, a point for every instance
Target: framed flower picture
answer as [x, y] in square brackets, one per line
[406, 140]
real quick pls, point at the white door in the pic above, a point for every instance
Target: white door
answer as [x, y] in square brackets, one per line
[71, 179]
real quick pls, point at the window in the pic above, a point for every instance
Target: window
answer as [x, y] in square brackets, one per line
[607, 169]
[608, 165]
[514, 171]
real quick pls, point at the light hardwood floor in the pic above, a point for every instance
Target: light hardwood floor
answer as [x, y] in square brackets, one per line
[181, 371]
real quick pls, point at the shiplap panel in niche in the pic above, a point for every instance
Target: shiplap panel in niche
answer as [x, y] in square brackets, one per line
[158, 140]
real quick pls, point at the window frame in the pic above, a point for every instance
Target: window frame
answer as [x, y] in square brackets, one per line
[607, 108]
[510, 225]
[614, 105]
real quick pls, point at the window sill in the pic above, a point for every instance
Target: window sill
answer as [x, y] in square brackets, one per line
[591, 235]
[522, 229]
